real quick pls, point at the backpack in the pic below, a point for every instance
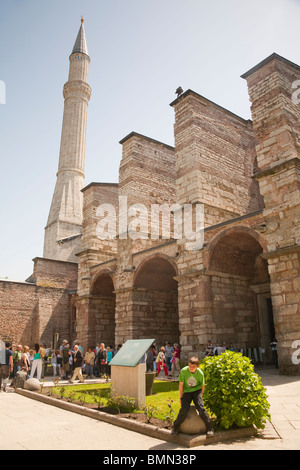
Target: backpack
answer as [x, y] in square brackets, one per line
[65, 355]
[58, 359]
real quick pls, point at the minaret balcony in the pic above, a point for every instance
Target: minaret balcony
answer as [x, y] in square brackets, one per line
[77, 89]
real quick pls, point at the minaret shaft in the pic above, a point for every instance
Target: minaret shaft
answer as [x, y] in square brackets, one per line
[65, 215]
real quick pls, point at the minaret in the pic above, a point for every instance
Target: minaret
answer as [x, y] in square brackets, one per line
[62, 233]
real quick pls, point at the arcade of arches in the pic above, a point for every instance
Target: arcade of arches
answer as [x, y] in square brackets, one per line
[244, 283]
[229, 301]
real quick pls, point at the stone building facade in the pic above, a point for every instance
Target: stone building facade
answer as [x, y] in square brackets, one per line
[242, 286]
[239, 284]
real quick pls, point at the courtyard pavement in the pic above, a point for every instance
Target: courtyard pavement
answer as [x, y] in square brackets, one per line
[29, 424]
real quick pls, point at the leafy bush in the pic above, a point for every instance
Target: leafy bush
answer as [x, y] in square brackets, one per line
[234, 392]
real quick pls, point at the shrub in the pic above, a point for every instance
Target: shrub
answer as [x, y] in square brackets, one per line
[99, 398]
[121, 403]
[171, 415]
[234, 392]
[150, 412]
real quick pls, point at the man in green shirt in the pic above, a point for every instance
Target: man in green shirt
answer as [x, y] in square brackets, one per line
[191, 388]
[17, 356]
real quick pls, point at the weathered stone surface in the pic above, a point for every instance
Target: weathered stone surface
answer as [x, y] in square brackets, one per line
[20, 379]
[34, 385]
[193, 424]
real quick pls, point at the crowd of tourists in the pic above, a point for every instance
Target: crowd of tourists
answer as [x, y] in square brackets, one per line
[166, 358]
[71, 362]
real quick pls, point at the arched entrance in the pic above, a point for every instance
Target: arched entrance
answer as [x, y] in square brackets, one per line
[155, 301]
[102, 309]
[240, 289]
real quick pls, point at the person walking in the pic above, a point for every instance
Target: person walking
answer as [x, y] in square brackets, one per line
[78, 361]
[101, 359]
[149, 360]
[109, 358]
[175, 360]
[37, 363]
[161, 361]
[65, 366]
[17, 360]
[6, 365]
[56, 361]
[273, 346]
[25, 363]
[169, 355]
[89, 359]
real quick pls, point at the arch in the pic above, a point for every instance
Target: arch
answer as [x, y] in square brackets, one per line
[155, 299]
[240, 287]
[239, 228]
[235, 251]
[102, 283]
[102, 306]
[158, 271]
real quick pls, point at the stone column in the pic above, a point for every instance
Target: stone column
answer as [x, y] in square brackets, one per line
[195, 313]
[276, 117]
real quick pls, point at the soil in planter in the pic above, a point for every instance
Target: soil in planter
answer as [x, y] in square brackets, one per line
[138, 417]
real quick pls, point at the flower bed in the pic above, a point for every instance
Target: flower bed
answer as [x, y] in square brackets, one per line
[137, 425]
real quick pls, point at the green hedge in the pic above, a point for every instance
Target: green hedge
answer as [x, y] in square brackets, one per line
[234, 393]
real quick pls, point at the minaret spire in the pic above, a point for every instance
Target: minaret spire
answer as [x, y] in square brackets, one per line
[80, 43]
[62, 233]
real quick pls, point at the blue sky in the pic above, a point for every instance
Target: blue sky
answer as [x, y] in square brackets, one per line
[141, 51]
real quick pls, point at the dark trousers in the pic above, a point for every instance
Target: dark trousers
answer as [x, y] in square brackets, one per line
[4, 375]
[275, 358]
[186, 400]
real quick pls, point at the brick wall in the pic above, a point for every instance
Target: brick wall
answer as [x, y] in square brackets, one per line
[33, 312]
[53, 273]
[30, 313]
[215, 155]
[95, 250]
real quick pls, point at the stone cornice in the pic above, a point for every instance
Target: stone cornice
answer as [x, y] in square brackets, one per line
[281, 252]
[206, 101]
[264, 62]
[141, 136]
[292, 162]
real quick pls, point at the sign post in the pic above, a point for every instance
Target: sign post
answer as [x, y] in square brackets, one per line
[128, 370]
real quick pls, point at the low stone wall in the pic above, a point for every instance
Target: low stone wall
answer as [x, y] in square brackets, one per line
[152, 431]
